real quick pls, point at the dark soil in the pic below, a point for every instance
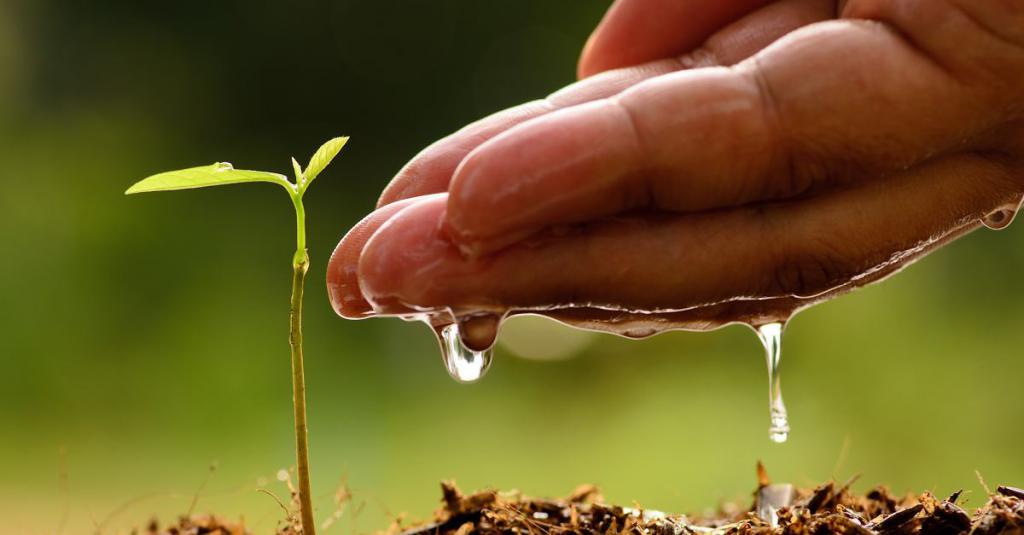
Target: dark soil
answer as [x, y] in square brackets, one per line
[824, 510]
[827, 509]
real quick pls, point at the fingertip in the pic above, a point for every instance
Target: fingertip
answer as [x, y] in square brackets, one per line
[343, 279]
[596, 55]
[430, 171]
[343, 268]
[552, 170]
[461, 223]
[481, 213]
[634, 31]
[426, 173]
[397, 263]
[391, 193]
[463, 201]
[588, 65]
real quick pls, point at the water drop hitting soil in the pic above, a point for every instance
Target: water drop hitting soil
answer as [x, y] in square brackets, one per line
[770, 335]
[771, 498]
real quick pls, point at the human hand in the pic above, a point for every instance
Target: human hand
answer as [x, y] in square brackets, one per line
[819, 162]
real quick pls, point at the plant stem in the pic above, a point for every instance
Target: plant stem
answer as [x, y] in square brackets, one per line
[300, 264]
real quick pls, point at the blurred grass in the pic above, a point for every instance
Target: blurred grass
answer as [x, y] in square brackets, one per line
[147, 336]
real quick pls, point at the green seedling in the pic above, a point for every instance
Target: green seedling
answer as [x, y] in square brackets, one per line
[220, 174]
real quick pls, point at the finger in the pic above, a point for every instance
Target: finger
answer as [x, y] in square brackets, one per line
[805, 248]
[431, 170]
[668, 28]
[828, 102]
[342, 275]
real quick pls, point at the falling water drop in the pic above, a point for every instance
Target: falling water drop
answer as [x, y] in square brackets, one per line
[465, 365]
[770, 335]
[467, 345]
[1000, 218]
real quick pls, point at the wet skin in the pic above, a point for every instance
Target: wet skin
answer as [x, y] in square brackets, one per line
[719, 161]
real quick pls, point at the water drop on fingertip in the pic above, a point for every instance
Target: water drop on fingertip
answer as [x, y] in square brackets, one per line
[465, 365]
[479, 332]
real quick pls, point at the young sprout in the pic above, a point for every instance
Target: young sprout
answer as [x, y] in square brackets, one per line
[220, 174]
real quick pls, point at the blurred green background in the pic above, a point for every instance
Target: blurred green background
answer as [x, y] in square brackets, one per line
[146, 336]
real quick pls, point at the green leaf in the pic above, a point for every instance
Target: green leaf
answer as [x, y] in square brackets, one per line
[298, 170]
[217, 174]
[323, 156]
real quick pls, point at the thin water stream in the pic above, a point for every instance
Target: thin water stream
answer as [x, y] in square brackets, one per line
[770, 335]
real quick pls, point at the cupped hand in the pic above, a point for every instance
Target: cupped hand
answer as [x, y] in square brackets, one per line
[734, 161]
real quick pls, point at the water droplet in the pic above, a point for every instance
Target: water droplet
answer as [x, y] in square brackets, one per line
[770, 335]
[1000, 218]
[770, 499]
[465, 365]
[479, 331]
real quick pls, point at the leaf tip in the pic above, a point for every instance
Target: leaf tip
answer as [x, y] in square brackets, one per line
[136, 188]
[323, 156]
[340, 141]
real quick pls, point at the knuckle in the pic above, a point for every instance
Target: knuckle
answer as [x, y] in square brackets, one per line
[793, 172]
[803, 175]
[791, 181]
